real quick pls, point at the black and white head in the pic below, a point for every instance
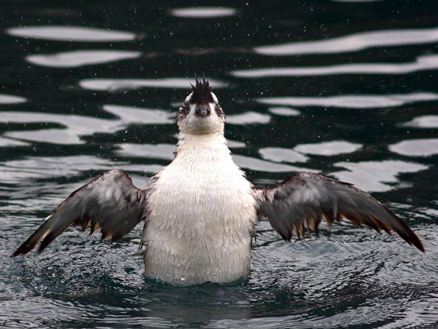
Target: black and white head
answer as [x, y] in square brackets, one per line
[201, 113]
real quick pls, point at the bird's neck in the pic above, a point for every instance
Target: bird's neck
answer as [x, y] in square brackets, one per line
[214, 142]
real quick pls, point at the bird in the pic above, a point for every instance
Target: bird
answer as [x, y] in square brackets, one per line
[199, 212]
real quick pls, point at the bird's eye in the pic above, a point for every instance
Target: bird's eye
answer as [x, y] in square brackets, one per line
[219, 111]
[183, 110]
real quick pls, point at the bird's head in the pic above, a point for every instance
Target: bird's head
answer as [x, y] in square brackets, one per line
[200, 112]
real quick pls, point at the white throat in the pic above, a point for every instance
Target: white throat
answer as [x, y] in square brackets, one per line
[211, 142]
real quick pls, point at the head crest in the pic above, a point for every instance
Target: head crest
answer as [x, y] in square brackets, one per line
[201, 92]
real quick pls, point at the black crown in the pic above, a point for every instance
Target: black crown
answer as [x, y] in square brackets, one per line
[201, 92]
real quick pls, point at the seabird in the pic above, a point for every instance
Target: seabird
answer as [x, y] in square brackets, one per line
[199, 212]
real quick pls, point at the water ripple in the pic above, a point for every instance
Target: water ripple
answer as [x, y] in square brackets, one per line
[79, 58]
[376, 176]
[203, 12]
[11, 142]
[46, 167]
[70, 33]
[424, 121]
[416, 147]
[284, 111]
[352, 101]
[353, 42]
[248, 118]
[10, 99]
[429, 62]
[261, 165]
[279, 154]
[328, 148]
[154, 151]
[50, 136]
[126, 84]
[18, 171]
[78, 125]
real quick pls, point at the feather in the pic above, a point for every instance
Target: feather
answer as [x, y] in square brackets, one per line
[109, 202]
[304, 199]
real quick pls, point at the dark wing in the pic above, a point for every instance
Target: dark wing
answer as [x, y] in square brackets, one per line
[304, 199]
[109, 202]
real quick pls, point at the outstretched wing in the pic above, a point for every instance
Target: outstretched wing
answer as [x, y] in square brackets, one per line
[304, 199]
[109, 202]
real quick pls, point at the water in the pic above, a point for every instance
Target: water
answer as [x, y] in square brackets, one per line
[347, 88]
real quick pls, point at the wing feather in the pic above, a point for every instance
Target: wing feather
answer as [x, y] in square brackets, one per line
[304, 199]
[109, 202]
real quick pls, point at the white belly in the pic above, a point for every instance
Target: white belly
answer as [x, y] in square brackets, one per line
[199, 229]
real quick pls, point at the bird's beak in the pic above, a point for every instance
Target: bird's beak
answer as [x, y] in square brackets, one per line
[202, 110]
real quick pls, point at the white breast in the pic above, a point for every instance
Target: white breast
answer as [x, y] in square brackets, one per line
[202, 213]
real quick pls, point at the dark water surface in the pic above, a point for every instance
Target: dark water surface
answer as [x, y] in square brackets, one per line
[345, 87]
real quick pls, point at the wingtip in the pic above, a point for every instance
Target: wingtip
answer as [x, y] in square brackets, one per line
[31, 242]
[15, 254]
[411, 238]
[21, 251]
[418, 244]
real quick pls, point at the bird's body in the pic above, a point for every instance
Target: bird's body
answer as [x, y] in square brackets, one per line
[202, 213]
[199, 212]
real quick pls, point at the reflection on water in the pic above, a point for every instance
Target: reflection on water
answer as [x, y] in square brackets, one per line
[203, 12]
[285, 111]
[96, 86]
[10, 142]
[248, 118]
[429, 62]
[424, 121]
[328, 148]
[81, 57]
[10, 99]
[55, 167]
[70, 33]
[416, 147]
[261, 165]
[354, 42]
[123, 84]
[56, 136]
[76, 125]
[281, 155]
[154, 151]
[376, 176]
[45, 167]
[351, 101]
